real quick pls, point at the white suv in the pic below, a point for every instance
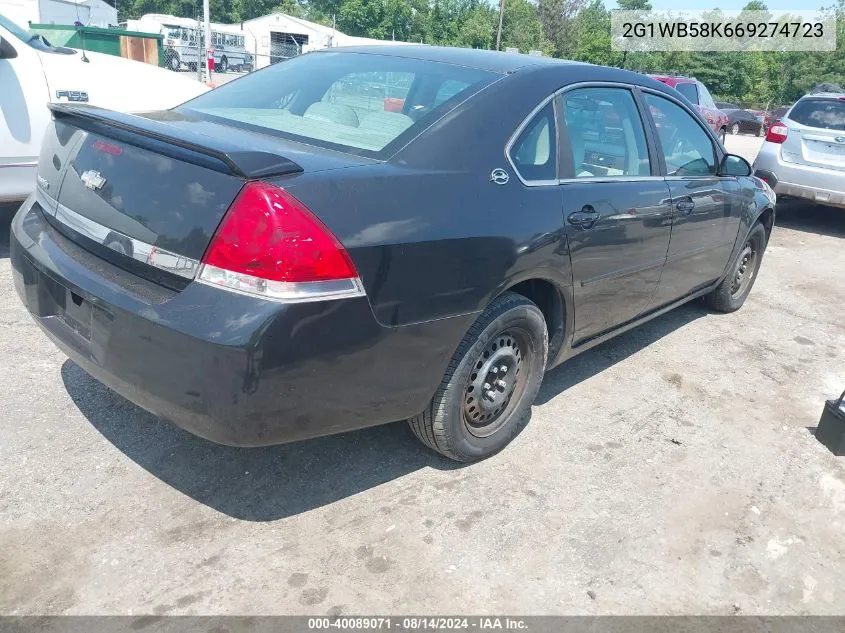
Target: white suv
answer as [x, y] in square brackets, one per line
[804, 152]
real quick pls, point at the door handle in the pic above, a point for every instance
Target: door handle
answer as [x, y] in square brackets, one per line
[585, 218]
[685, 205]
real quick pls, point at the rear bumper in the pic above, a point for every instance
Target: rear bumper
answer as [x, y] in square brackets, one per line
[823, 186]
[227, 367]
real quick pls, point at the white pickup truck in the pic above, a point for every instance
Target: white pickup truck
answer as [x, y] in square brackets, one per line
[34, 73]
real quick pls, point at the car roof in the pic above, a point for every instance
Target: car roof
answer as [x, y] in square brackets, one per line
[672, 80]
[825, 95]
[494, 61]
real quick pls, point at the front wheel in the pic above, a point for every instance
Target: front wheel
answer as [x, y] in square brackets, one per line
[736, 286]
[722, 136]
[485, 398]
[735, 129]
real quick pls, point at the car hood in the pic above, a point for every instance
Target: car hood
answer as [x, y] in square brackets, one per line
[117, 83]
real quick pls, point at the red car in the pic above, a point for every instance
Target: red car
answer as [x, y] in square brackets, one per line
[697, 94]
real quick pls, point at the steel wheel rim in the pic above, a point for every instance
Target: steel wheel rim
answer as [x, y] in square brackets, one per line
[744, 270]
[496, 383]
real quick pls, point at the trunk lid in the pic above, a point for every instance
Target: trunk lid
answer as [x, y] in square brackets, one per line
[148, 193]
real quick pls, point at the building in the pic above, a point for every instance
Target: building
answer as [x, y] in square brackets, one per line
[87, 12]
[272, 38]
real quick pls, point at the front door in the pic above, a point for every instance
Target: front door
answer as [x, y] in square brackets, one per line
[706, 220]
[23, 116]
[615, 206]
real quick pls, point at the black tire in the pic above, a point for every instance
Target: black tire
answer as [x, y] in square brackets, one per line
[761, 131]
[735, 129]
[173, 62]
[224, 65]
[511, 334]
[735, 287]
[722, 136]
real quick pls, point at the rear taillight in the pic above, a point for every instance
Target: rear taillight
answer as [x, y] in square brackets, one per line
[777, 132]
[271, 246]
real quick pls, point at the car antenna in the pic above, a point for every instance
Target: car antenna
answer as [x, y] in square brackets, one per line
[78, 25]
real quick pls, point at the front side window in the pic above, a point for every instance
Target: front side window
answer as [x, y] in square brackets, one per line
[534, 153]
[355, 102]
[686, 147]
[689, 91]
[606, 133]
[706, 98]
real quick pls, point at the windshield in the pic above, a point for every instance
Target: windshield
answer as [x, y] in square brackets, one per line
[173, 32]
[14, 29]
[38, 42]
[367, 104]
[822, 113]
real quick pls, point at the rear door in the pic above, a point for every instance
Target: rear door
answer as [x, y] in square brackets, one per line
[705, 215]
[816, 133]
[615, 206]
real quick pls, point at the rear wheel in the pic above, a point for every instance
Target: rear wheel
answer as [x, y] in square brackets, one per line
[173, 62]
[735, 287]
[735, 129]
[761, 131]
[485, 397]
[722, 136]
[224, 65]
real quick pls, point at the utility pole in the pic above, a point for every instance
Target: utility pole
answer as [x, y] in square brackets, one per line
[209, 54]
[499, 32]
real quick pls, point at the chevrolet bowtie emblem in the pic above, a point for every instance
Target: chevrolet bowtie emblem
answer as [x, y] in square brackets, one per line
[93, 180]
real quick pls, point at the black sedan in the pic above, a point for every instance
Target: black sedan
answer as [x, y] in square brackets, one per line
[745, 122]
[290, 256]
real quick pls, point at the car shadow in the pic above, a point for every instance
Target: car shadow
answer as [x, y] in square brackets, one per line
[253, 484]
[805, 216]
[265, 484]
[7, 212]
[596, 360]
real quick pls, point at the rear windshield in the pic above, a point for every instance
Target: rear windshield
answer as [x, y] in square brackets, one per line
[823, 113]
[368, 104]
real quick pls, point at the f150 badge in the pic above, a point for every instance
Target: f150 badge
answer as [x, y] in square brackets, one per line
[79, 96]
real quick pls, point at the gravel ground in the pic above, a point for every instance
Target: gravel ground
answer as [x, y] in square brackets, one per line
[672, 470]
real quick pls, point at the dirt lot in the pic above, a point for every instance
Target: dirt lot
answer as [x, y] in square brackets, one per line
[672, 470]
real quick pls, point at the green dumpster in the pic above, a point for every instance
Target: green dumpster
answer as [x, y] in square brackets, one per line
[142, 47]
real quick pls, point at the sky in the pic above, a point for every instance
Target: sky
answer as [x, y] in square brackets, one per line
[775, 5]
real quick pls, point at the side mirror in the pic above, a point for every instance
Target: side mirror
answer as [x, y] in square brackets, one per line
[733, 165]
[7, 51]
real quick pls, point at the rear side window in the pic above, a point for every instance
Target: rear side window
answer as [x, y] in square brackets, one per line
[366, 104]
[822, 113]
[687, 148]
[605, 133]
[534, 153]
[689, 91]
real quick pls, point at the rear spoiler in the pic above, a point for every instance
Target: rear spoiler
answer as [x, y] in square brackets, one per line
[200, 149]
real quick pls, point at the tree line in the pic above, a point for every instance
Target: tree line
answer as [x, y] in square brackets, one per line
[571, 29]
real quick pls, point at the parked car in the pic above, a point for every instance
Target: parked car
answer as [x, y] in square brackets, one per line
[698, 95]
[745, 122]
[34, 73]
[260, 274]
[804, 152]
